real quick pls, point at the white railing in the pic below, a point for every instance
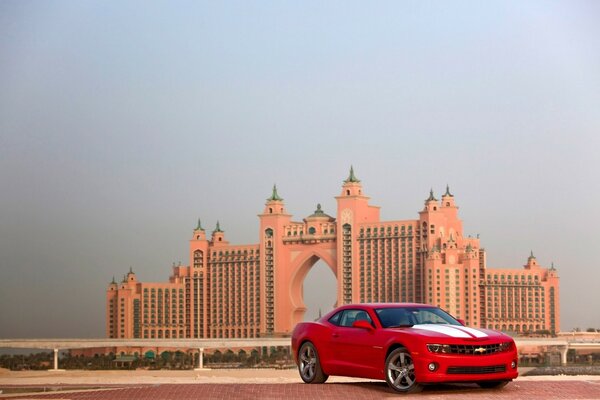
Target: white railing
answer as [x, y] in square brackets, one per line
[66, 344]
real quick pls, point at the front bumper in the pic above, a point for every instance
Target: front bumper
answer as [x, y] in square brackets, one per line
[466, 368]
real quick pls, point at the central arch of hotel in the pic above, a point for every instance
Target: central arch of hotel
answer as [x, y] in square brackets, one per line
[301, 264]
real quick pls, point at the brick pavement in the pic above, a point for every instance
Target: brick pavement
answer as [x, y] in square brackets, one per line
[580, 389]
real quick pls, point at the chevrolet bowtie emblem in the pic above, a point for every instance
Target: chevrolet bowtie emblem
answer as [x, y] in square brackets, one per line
[479, 350]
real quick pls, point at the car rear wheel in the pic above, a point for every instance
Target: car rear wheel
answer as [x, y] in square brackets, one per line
[492, 384]
[309, 365]
[400, 372]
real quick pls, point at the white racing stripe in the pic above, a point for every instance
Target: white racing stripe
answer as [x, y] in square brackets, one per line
[457, 332]
[474, 332]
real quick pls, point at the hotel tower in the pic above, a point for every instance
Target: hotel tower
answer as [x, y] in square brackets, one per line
[235, 291]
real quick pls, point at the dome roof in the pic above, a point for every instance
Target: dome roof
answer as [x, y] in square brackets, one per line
[320, 214]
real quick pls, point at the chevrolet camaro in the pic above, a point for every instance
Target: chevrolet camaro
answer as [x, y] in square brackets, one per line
[407, 345]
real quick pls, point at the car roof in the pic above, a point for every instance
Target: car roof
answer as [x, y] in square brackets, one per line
[385, 305]
[373, 306]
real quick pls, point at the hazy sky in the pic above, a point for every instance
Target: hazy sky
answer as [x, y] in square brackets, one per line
[121, 123]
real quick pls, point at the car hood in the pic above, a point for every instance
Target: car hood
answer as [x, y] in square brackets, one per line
[456, 332]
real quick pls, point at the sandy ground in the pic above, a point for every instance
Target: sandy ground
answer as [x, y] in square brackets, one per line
[80, 377]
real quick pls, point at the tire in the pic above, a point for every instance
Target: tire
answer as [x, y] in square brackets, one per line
[492, 384]
[309, 365]
[400, 372]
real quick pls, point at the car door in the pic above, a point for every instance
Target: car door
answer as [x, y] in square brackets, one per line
[355, 349]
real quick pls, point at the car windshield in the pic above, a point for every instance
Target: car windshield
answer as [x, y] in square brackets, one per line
[409, 316]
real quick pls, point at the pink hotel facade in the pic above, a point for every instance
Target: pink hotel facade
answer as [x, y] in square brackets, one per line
[231, 291]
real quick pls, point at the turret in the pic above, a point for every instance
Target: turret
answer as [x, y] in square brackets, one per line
[130, 277]
[353, 205]
[531, 262]
[113, 284]
[274, 204]
[274, 217]
[429, 218]
[198, 249]
[352, 185]
[431, 203]
[199, 232]
[218, 235]
[448, 198]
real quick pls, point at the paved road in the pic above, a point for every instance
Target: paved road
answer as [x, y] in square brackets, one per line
[580, 389]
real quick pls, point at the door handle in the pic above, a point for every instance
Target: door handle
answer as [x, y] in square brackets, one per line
[335, 335]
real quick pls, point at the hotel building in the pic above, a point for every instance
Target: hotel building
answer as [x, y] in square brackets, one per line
[231, 291]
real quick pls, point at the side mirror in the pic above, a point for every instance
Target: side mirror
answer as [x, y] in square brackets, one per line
[462, 321]
[363, 325]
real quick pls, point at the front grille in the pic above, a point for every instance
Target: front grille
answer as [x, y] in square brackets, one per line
[477, 350]
[492, 369]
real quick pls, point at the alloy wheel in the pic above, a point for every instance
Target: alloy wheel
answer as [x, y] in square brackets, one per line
[308, 362]
[400, 371]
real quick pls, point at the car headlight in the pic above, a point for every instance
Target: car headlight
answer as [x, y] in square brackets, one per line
[505, 346]
[439, 348]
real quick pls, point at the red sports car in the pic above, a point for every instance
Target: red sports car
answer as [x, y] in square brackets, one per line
[408, 345]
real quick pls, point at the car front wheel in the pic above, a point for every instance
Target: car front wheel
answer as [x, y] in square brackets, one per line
[309, 365]
[400, 372]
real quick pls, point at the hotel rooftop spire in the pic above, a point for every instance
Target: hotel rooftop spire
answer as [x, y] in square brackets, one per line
[431, 196]
[352, 177]
[448, 192]
[274, 195]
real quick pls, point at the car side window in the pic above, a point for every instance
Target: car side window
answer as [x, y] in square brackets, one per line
[349, 316]
[336, 318]
[394, 317]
